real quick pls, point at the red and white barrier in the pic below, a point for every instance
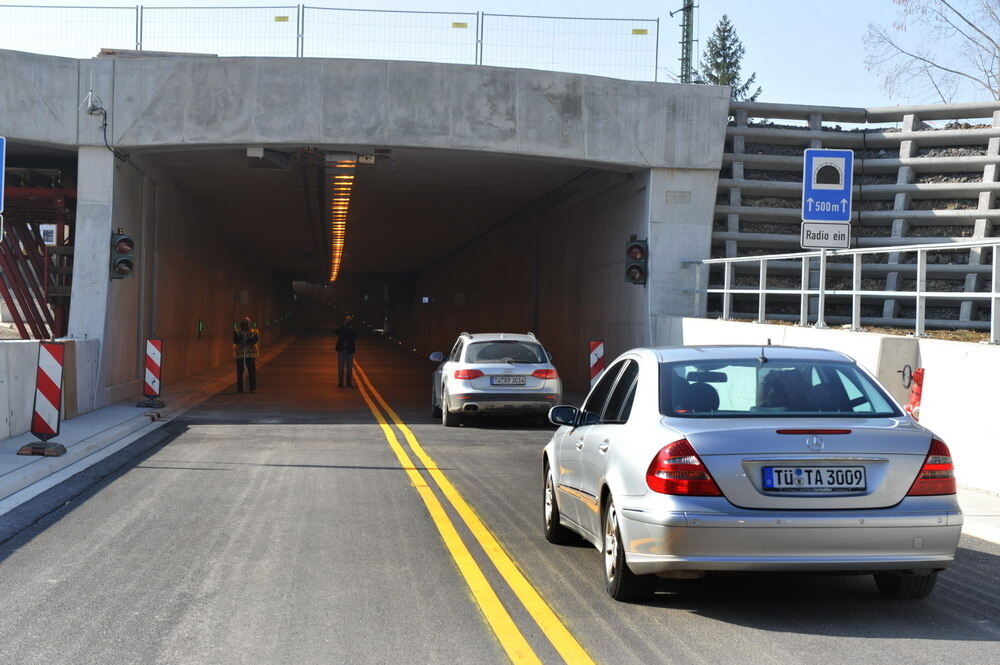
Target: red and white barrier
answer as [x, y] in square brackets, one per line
[153, 374]
[48, 401]
[154, 359]
[596, 359]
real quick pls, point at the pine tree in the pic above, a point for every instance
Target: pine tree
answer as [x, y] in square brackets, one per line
[720, 63]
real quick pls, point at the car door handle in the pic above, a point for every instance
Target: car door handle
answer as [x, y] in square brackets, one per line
[604, 446]
[579, 444]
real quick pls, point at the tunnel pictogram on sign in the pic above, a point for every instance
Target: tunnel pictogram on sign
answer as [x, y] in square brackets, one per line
[152, 375]
[47, 407]
[596, 359]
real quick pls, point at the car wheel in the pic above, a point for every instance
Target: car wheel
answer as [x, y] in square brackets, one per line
[905, 586]
[435, 409]
[555, 532]
[622, 584]
[448, 419]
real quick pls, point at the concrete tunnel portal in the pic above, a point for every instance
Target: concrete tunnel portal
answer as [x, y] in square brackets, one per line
[497, 200]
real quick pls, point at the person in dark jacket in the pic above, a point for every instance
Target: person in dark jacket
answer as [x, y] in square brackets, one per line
[346, 336]
[246, 348]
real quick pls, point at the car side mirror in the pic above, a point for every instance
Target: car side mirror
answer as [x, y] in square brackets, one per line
[437, 357]
[563, 415]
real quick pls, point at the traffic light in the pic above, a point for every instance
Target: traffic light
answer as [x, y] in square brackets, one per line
[122, 255]
[636, 259]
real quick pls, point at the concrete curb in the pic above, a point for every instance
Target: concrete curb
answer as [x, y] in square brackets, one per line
[43, 473]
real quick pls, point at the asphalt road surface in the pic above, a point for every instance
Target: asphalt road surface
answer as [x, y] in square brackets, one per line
[291, 526]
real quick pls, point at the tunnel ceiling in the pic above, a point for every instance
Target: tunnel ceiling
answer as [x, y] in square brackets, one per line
[409, 208]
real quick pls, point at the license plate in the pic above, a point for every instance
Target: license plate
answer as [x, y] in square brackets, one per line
[507, 380]
[814, 478]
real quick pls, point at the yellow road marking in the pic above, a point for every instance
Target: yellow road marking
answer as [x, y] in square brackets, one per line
[507, 632]
[554, 629]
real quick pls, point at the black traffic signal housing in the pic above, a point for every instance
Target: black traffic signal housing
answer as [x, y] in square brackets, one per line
[122, 255]
[636, 261]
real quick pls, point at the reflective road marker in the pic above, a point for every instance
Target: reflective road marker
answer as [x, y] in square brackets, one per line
[551, 625]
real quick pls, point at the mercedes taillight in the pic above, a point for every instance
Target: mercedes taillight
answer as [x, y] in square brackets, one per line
[937, 475]
[677, 469]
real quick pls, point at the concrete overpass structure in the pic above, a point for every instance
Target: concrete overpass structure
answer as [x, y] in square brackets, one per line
[504, 197]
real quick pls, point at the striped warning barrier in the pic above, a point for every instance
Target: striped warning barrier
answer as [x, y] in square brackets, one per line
[153, 373]
[596, 359]
[48, 401]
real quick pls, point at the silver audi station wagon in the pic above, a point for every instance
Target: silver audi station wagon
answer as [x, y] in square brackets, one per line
[690, 460]
[494, 374]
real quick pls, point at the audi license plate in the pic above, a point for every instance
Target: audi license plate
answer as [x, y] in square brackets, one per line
[814, 478]
[507, 380]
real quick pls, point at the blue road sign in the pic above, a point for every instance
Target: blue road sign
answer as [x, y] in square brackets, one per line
[3, 166]
[827, 182]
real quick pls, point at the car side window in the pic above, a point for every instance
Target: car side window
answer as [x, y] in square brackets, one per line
[595, 402]
[620, 403]
[456, 352]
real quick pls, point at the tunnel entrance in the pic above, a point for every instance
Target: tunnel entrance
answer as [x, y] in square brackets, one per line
[437, 242]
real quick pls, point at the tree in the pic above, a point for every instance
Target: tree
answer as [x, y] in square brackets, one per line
[938, 48]
[721, 63]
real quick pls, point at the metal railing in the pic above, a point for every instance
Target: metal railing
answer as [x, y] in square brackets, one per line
[805, 292]
[615, 47]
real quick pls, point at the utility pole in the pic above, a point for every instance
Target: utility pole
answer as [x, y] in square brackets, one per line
[687, 40]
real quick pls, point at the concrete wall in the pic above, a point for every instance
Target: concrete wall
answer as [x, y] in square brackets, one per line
[958, 404]
[159, 101]
[958, 394]
[18, 367]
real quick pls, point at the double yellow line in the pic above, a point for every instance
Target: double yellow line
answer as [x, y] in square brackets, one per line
[507, 632]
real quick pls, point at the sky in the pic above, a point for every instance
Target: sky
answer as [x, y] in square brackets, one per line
[803, 51]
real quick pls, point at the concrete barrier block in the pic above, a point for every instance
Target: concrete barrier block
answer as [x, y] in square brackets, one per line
[22, 363]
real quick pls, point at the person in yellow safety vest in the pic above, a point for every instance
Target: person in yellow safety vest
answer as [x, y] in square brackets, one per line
[246, 348]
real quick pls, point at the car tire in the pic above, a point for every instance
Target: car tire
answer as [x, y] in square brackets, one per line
[621, 583]
[448, 419]
[905, 586]
[555, 532]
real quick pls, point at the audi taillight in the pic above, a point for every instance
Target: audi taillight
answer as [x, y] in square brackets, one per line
[468, 373]
[545, 374]
[677, 469]
[937, 475]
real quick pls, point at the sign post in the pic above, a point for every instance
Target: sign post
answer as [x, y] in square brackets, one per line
[827, 193]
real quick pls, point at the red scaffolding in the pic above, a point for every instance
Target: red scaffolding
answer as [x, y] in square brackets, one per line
[35, 277]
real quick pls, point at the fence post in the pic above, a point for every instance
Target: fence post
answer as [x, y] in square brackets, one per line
[727, 295]
[856, 295]
[300, 29]
[804, 296]
[138, 27]
[921, 287]
[762, 297]
[480, 25]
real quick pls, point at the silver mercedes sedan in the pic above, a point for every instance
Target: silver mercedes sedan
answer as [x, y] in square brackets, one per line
[684, 461]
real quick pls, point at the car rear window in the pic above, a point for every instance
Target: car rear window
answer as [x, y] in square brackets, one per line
[776, 388]
[505, 351]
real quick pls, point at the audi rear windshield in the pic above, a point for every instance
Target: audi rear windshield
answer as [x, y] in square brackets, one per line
[775, 388]
[505, 351]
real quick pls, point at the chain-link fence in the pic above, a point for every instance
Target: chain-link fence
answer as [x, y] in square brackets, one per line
[620, 48]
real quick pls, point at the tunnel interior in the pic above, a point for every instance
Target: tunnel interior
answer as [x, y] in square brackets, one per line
[438, 242]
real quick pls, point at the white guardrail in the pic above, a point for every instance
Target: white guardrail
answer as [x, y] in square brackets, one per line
[856, 293]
